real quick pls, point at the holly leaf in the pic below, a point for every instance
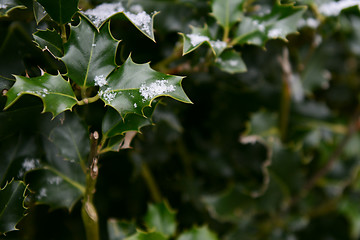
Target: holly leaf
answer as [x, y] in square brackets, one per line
[55, 92]
[231, 61]
[18, 154]
[281, 21]
[7, 5]
[60, 11]
[72, 140]
[147, 236]
[161, 218]
[139, 18]
[49, 40]
[199, 36]
[12, 198]
[132, 87]
[89, 54]
[58, 183]
[227, 12]
[39, 12]
[198, 233]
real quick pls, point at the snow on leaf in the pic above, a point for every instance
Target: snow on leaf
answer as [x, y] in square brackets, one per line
[281, 21]
[134, 86]
[334, 8]
[142, 20]
[55, 92]
[200, 35]
[89, 54]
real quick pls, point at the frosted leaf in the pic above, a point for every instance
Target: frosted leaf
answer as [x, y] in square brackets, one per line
[108, 95]
[156, 88]
[142, 20]
[334, 8]
[102, 12]
[196, 39]
[100, 81]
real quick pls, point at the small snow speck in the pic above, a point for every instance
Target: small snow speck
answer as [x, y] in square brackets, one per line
[94, 45]
[136, 8]
[135, 105]
[3, 5]
[156, 88]
[100, 81]
[196, 39]
[55, 180]
[27, 165]
[42, 193]
[218, 44]
[233, 63]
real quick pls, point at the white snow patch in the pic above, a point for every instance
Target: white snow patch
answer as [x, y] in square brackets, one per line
[27, 165]
[103, 11]
[141, 20]
[233, 63]
[108, 95]
[156, 88]
[42, 193]
[100, 81]
[3, 5]
[196, 39]
[218, 44]
[251, 139]
[135, 105]
[334, 8]
[55, 180]
[275, 33]
[136, 8]
[259, 25]
[310, 22]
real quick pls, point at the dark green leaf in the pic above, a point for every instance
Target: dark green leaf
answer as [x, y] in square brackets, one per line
[119, 230]
[89, 54]
[228, 12]
[280, 22]
[101, 13]
[72, 140]
[39, 11]
[51, 40]
[132, 87]
[12, 198]
[55, 92]
[198, 233]
[230, 61]
[198, 36]
[161, 218]
[60, 11]
[58, 183]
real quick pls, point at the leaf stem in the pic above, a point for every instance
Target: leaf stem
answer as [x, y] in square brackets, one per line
[150, 182]
[285, 94]
[88, 211]
[63, 33]
[88, 100]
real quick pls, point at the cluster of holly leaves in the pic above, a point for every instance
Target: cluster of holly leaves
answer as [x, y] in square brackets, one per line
[269, 150]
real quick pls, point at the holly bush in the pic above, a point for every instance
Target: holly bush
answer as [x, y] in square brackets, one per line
[99, 138]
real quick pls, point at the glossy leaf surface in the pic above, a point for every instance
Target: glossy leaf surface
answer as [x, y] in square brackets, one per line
[12, 198]
[55, 92]
[89, 54]
[134, 86]
[198, 233]
[161, 218]
[227, 12]
[60, 11]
